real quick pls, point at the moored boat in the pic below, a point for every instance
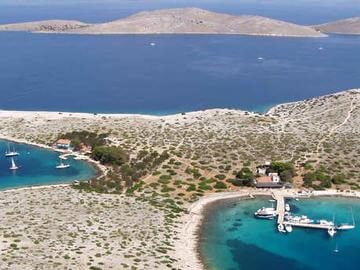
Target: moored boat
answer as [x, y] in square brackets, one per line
[13, 165]
[11, 153]
[331, 231]
[288, 228]
[62, 166]
[266, 213]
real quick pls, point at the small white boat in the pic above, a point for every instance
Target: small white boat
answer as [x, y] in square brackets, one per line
[346, 226]
[260, 59]
[62, 166]
[152, 43]
[343, 227]
[287, 207]
[266, 213]
[13, 165]
[288, 228]
[336, 250]
[325, 222]
[281, 228]
[11, 153]
[331, 231]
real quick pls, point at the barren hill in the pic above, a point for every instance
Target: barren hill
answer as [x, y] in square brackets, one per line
[177, 21]
[349, 26]
[44, 26]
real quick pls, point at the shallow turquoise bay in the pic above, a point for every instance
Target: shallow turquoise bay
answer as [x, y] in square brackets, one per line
[233, 239]
[37, 167]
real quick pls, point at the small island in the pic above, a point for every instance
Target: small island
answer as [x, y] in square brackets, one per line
[174, 21]
[349, 26]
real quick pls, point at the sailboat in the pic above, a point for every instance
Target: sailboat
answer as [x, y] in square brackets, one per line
[62, 166]
[346, 226]
[10, 153]
[13, 165]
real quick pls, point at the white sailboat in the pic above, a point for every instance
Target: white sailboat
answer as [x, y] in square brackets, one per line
[13, 165]
[11, 153]
[62, 166]
[346, 226]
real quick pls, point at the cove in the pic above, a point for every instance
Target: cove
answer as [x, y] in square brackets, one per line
[37, 166]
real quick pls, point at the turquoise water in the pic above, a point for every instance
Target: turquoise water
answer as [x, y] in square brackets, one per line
[37, 167]
[233, 239]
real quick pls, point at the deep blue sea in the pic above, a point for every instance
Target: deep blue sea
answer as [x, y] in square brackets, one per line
[37, 167]
[233, 239]
[124, 74]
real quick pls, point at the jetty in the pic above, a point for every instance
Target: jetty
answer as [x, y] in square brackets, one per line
[280, 209]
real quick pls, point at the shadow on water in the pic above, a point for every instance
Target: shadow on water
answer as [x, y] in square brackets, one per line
[249, 256]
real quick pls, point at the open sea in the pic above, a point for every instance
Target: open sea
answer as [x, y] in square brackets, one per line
[124, 74]
[37, 167]
[233, 239]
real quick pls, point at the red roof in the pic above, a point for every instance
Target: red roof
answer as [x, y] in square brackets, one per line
[63, 141]
[264, 179]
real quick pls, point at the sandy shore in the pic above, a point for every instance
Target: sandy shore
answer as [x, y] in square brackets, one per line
[188, 245]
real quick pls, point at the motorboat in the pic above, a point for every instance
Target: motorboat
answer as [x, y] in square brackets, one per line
[266, 213]
[281, 228]
[288, 228]
[287, 207]
[331, 231]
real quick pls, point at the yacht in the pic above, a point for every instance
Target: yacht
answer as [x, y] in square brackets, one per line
[13, 165]
[62, 166]
[287, 207]
[331, 231]
[266, 213]
[288, 228]
[325, 222]
[11, 153]
[299, 219]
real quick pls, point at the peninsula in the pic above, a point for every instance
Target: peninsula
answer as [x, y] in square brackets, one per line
[350, 26]
[143, 212]
[174, 21]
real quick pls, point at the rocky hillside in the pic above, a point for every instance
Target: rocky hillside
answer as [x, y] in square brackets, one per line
[349, 26]
[44, 26]
[176, 21]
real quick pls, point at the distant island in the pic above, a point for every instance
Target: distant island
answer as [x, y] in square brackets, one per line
[349, 26]
[174, 21]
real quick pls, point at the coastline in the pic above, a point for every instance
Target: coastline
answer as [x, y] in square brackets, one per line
[170, 33]
[100, 170]
[190, 234]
